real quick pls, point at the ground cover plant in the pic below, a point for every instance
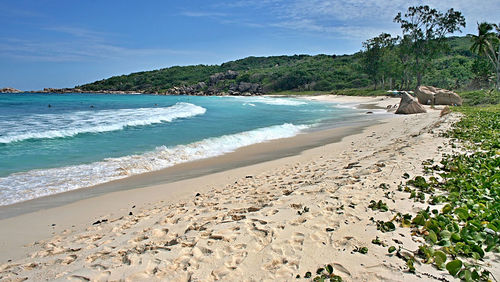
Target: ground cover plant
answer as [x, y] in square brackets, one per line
[467, 226]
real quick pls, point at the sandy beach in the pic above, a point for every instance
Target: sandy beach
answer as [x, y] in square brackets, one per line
[266, 220]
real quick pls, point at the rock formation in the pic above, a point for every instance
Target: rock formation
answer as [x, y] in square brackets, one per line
[214, 78]
[428, 95]
[10, 90]
[217, 86]
[409, 105]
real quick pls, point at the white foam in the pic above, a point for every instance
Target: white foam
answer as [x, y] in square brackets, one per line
[40, 126]
[32, 184]
[272, 101]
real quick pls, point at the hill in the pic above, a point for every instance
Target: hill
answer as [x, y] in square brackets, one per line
[283, 73]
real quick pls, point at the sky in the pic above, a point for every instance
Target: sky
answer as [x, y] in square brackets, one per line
[65, 43]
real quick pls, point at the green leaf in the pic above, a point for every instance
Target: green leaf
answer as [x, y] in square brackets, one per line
[467, 275]
[389, 226]
[455, 237]
[454, 267]
[432, 236]
[462, 213]
[478, 250]
[419, 220]
[444, 243]
[392, 249]
[475, 275]
[336, 278]
[447, 208]
[329, 269]
[445, 234]
[308, 274]
[439, 258]
[411, 267]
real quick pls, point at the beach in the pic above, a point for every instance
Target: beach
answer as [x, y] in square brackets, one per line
[264, 220]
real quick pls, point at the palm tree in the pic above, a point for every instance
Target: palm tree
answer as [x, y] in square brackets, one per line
[485, 44]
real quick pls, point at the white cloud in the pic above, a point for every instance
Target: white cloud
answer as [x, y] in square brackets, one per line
[79, 45]
[355, 19]
[380, 13]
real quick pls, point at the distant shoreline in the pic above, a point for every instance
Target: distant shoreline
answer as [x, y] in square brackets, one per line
[78, 91]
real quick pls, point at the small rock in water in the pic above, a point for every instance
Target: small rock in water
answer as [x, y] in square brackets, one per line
[130, 213]
[133, 206]
[249, 176]
[369, 112]
[197, 195]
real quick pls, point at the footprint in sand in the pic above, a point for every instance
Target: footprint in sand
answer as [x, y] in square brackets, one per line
[297, 241]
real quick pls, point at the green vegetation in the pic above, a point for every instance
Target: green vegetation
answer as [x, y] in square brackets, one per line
[467, 226]
[378, 206]
[480, 97]
[292, 75]
[424, 31]
[323, 274]
[487, 44]
[275, 74]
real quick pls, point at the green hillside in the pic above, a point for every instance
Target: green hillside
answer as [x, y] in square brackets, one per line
[289, 73]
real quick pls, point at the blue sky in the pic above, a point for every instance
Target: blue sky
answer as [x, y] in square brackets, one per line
[63, 43]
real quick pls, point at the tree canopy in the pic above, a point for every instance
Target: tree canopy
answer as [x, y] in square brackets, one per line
[487, 43]
[425, 28]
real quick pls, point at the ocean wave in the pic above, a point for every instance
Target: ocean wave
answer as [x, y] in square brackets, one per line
[272, 101]
[43, 126]
[32, 184]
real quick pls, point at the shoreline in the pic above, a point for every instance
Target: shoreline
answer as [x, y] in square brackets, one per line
[45, 210]
[249, 221]
[249, 155]
[242, 157]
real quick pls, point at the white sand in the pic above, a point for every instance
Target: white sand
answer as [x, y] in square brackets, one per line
[245, 224]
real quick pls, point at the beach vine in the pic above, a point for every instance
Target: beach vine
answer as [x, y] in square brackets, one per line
[466, 188]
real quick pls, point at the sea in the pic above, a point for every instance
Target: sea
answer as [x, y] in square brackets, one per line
[53, 143]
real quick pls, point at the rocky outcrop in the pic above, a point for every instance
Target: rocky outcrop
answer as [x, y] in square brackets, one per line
[10, 90]
[216, 86]
[428, 95]
[214, 78]
[78, 90]
[201, 89]
[409, 105]
[243, 87]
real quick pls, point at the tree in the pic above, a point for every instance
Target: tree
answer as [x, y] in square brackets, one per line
[426, 29]
[377, 57]
[404, 56]
[487, 43]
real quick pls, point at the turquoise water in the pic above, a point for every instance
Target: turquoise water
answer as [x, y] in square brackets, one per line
[51, 143]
